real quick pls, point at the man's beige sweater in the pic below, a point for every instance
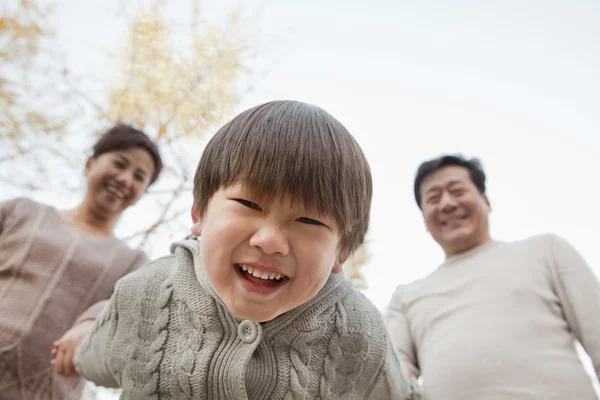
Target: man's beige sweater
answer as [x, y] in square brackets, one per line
[499, 322]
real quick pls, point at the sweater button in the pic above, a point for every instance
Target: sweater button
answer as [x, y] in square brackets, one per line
[247, 331]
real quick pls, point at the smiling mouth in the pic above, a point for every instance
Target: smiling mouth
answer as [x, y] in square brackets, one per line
[261, 278]
[454, 220]
[110, 188]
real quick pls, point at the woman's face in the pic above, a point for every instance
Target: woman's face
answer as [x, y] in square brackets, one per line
[117, 179]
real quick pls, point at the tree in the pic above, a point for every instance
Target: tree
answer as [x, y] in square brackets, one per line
[37, 101]
[353, 265]
[180, 93]
[177, 86]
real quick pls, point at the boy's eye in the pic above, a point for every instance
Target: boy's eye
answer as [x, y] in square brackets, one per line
[310, 221]
[249, 204]
[119, 164]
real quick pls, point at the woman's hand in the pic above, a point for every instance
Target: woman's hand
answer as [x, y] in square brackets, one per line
[64, 348]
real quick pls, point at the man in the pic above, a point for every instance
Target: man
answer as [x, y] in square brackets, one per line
[496, 320]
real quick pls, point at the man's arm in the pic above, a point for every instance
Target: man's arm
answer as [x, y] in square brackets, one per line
[579, 292]
[398, 329]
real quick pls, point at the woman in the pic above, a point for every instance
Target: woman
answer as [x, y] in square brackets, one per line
[57, 268]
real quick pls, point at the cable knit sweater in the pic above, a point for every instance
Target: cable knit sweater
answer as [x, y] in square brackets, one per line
[50, 274]
[167, 335]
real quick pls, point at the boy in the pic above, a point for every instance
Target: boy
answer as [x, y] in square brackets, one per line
[256, 308]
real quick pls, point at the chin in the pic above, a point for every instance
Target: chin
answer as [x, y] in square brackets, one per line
[460, 243]
[251, 315]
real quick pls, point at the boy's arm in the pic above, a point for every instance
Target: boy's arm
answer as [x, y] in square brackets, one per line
[391, 383]
[398, 328]
[91, 358]
[579, 291]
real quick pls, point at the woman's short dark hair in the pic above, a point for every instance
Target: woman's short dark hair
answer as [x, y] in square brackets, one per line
[473, 165]
[121, 137]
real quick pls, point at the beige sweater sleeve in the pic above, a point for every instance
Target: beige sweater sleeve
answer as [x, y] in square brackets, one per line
[391, 383]
[91, 358]
[399, 330]
[579, 291]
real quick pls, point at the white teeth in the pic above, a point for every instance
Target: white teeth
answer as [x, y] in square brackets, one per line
[260, 274]
[112, 190]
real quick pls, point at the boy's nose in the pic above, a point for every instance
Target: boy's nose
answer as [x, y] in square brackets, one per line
[270, 239]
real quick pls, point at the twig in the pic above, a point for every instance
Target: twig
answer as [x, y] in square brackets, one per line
[156, 225]
[162, 218]
[166, 191]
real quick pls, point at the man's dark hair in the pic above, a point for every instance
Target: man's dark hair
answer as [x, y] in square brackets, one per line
[473, 165]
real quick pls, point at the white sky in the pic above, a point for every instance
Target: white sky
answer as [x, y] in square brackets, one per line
[515, 83]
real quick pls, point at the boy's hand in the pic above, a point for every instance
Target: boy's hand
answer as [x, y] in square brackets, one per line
[64, 348]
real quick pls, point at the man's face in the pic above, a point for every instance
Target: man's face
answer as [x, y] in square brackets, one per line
[455, 212]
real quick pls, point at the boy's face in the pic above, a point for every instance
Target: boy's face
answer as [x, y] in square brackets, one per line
[265, 258]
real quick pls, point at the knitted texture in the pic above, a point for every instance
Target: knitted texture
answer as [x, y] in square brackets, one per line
[50, 274]
[300, 358]
[186, 356]
[499, 321]
[181, 342]
[148, 337]
[348, 349]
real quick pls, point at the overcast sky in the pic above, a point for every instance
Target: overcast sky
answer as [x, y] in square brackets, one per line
[514, 82]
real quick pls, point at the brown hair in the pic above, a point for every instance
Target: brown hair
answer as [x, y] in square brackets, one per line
[293, 149]
[121, 137]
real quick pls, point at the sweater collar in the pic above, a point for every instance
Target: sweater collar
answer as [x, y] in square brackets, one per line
[189, 268]
[470, 253]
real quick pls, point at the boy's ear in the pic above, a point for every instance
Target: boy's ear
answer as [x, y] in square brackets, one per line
[196, 220]
[337, 267]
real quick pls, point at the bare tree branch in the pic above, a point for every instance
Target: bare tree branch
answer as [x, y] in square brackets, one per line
[163, 216]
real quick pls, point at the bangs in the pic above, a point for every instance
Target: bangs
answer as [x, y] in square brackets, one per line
[292, 150]
[296, 161]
